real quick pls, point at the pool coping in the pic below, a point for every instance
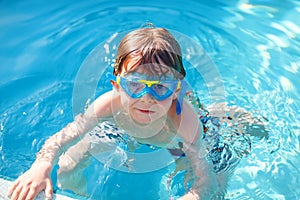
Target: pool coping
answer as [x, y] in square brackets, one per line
[5, 184]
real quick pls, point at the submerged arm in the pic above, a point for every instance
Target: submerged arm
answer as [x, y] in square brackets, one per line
[205, 180]
[37, 178]
[58, 143]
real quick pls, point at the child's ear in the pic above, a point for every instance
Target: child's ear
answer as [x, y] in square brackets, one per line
[115, 85]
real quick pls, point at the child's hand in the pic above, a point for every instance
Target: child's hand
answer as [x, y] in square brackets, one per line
[36, 179]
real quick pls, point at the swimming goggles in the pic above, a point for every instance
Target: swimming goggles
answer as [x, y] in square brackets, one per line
[136, 88]
[160, 90]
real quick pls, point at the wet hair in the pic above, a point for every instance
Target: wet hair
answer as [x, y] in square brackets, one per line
[153, 49]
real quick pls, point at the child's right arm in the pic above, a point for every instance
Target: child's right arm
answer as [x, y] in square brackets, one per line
[61, 141]
[37, 178]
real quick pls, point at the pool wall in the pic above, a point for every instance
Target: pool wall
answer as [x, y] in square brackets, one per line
[5, 184]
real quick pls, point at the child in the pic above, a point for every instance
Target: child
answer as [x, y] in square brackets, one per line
[146, 102]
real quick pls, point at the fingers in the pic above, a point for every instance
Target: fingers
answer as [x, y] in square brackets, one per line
[31, 191]
[16, 191]
[48, 190]
[32, 194]
[22, 190]
[23, 193]
[13, 187]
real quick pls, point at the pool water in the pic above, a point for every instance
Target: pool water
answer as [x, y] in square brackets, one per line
[254, 46]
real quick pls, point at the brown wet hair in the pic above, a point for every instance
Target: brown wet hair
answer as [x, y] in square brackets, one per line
[153, 49]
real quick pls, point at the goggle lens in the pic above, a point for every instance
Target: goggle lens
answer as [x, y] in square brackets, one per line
[161, 90]
[138, 88]
[135, 87]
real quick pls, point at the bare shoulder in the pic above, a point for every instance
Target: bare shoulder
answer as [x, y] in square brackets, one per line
[104, 105]
[187, 123]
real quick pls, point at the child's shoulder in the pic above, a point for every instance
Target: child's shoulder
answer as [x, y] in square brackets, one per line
[187, 123]
[105, 104]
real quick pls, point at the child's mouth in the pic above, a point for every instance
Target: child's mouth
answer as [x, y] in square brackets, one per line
[145, 111]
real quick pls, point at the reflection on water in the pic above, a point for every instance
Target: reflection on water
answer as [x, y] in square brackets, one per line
[254, 45]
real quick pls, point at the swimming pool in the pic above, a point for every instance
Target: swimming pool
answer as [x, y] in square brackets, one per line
[253, 44]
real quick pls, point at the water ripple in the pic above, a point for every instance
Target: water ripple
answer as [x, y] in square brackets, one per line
[255, 46]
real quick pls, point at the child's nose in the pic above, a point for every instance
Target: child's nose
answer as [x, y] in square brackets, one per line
[147, 98]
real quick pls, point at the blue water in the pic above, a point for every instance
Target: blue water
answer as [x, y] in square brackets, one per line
[254, 46]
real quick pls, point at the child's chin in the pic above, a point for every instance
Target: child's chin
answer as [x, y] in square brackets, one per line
[143, 120]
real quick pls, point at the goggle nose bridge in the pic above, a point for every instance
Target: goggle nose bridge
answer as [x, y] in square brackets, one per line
[148, 83]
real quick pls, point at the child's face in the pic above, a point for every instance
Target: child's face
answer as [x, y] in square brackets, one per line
[146, 108]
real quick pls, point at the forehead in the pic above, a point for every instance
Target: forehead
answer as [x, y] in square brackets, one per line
[151, 71]
[140, 74]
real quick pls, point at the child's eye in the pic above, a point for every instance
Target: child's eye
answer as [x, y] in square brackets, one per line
[160, 89]
[159, 86]
[135, 86]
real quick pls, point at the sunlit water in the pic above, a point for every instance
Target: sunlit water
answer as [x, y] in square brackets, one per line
[255, 46]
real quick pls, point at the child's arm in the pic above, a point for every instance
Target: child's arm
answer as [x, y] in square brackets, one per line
[206, 183]
[58, 143]
[37, 178]
[190, 129]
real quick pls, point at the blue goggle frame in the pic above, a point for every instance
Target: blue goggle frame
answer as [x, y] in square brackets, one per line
[157, 89]
[150, 89]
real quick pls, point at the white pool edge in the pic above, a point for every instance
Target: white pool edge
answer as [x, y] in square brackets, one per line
[5, 184]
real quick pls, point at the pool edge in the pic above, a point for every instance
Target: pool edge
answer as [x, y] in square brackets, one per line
[5, 184]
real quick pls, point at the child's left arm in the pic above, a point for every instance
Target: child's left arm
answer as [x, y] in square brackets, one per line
[205, 181]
